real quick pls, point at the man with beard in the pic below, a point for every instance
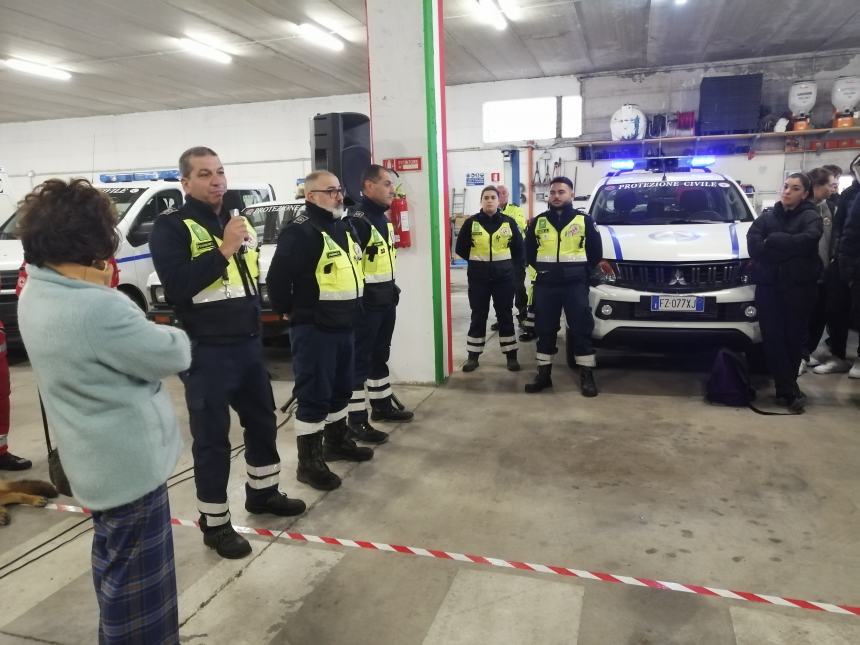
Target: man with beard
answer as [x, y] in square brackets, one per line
[563, 245]
[316, 282]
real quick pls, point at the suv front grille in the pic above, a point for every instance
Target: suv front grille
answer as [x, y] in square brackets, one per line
[678, 278]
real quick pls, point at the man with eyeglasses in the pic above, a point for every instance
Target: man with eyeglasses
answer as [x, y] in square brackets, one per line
[376, 324]
[316, 282]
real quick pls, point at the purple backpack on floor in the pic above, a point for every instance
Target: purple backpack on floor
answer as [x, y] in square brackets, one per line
[729, 382]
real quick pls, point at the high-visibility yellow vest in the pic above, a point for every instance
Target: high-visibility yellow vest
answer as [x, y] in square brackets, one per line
[565, 246]
[518, 215]
[490, 248]
[338, 273]
[379, 266]
[230, 284]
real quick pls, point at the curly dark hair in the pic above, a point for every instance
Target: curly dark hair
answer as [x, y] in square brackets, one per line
[67, 222]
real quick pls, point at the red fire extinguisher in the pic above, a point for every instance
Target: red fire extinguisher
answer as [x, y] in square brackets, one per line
[399, 213]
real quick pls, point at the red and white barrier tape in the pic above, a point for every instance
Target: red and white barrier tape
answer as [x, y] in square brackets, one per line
[524, 566]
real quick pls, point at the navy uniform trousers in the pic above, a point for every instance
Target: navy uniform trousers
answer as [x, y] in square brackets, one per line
[373, 334]
[549, 301]
[224, 376]
[322, 366]
[502, 294]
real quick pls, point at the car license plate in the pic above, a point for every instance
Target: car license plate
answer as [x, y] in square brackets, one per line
[695, 304]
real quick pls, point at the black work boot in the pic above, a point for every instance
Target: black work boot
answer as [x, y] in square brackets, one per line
[390, 413]
[338, 446]
[513, 364]
[471, 363]
[527, 335]
[312, 469]
[367, 433]
[586, 381]
[276, 503]
[224, 539]
[542, 381]
[8, 461]
[495, 326]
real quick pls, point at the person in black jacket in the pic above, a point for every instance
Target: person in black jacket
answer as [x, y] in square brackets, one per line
[783, 245]
[315, 281]
[492, 245]
[207, 262]
[839, 291]
[564, 246]
[375, 326]
[848, 258]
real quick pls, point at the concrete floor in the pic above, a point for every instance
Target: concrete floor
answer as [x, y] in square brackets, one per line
[646, 480]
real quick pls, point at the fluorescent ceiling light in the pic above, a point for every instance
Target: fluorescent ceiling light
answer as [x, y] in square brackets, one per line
[320, 37]
[205, 51]
[489, 13]
[678, 3]
[511, 9]
[37, 69]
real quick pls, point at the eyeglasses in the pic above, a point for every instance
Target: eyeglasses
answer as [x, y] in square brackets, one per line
[331, 192]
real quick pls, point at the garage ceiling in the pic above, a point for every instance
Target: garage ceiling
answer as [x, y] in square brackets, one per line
[125, 57]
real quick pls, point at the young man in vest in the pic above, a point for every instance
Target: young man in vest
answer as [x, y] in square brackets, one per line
[376, 324]
[564, 246]
[316, 282]
[207, 263]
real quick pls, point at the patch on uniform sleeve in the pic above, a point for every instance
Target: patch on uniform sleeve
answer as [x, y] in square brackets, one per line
[300, 219]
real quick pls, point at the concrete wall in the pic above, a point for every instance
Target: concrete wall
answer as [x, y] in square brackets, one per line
[257, 141]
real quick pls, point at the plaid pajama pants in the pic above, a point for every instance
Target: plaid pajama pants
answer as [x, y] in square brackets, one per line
[134, 573]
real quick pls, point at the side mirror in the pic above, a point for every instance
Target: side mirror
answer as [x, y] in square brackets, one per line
[138, 236]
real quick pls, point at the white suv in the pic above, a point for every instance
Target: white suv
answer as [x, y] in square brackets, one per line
[675, 234]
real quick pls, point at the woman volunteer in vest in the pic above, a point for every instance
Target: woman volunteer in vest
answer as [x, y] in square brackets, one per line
[492, 244]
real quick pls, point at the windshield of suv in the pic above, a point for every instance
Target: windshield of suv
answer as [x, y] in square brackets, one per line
[123, 198]
[651, 203]
[269, 220]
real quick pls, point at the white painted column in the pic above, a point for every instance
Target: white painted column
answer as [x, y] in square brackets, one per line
[407, 111]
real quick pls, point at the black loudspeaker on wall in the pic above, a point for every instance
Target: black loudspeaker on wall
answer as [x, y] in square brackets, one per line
[340, 143]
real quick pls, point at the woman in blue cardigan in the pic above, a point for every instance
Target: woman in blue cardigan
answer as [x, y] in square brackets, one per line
[99, 363]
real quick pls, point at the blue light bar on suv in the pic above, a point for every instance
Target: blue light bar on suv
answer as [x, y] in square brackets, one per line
[703, 161]
[171, 174]
[623, 164]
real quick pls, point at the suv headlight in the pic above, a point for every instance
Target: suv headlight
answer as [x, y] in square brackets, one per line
[264, 294]
[156, 295]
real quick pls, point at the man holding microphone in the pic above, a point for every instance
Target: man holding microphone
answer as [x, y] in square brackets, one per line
[208, 264]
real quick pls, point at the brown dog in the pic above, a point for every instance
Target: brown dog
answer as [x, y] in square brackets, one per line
[23, 491]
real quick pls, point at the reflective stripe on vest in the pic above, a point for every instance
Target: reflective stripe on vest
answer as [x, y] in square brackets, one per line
[490, 248]
[230, 284]
[338, 273]
[569, 246]
[516, 213]
[379, 268]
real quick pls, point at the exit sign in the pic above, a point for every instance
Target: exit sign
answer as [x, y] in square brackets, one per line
[403, 164]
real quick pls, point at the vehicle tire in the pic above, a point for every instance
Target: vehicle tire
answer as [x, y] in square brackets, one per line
[135, 297]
